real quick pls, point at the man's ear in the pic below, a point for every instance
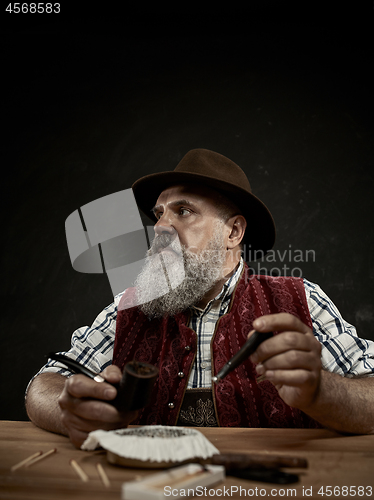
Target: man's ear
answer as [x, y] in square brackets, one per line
[238, 224]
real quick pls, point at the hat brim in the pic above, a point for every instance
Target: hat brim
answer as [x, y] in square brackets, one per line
[260, 233]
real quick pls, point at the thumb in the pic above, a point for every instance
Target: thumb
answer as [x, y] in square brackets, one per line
[112, 374]
[250, 334]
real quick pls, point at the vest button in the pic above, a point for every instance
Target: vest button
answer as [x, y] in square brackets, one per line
[181, 374]
[187, 348]
[171, 405]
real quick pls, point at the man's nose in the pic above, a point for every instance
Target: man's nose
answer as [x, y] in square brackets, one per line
[162, 228]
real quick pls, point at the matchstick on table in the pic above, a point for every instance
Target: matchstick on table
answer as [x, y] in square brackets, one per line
[33, 459]
[25, 461]
[79, 470]
[103, 475]
[44, 455]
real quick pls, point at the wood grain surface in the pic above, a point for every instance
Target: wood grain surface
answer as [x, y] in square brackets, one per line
[333, 460]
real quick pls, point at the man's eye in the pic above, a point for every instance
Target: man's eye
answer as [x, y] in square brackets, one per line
[158, 215]
[184, 211]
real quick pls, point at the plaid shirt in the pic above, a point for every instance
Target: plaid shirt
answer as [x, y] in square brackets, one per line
[343, 352]
[203, 322]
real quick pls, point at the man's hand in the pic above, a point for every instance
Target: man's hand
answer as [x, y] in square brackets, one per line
[84, 405]
[290, 360]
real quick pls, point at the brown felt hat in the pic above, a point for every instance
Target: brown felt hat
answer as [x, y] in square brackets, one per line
[204, 167]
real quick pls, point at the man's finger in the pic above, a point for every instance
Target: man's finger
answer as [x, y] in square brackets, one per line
[77, 437]
[289, 360]
[280, 322]
[74, 421]
[295, 378]
[80, 386]
[250, 333]
[112, 374]
[283, 343]
[95, 411]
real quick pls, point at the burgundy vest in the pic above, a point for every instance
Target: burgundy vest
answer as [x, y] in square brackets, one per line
[171, 346]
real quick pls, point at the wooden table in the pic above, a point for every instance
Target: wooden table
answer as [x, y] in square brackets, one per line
[334, 460]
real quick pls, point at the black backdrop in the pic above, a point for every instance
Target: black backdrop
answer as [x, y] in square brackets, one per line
[91, 104]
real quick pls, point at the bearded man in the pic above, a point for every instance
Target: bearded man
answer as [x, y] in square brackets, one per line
[315, 371]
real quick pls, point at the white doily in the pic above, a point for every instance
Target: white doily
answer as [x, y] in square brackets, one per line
[158, 443]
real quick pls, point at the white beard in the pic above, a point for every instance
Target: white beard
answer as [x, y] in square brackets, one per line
[200, 272]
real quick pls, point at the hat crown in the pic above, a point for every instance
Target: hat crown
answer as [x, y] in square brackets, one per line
[213, 165]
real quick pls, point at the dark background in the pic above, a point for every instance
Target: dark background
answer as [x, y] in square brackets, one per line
[92, 102]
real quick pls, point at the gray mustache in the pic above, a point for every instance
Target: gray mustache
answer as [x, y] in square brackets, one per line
[161, 242]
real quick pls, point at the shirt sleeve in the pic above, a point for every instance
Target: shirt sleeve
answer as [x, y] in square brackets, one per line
[91, 346]
[343, 352]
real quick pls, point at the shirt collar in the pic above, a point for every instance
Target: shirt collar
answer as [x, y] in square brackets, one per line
[231, 283]
[227, 288]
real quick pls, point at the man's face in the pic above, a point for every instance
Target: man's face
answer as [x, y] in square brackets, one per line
[199, 253]
[191, 212]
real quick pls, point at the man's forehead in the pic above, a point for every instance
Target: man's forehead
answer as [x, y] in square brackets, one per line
[187, 192]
